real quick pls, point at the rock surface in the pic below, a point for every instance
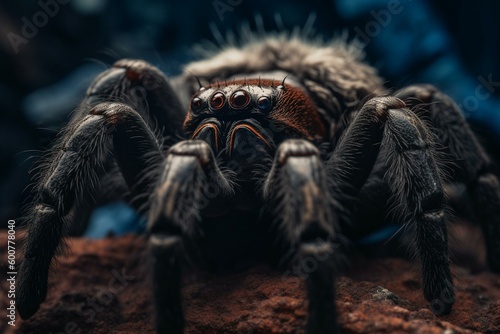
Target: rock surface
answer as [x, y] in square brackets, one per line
[101, 287]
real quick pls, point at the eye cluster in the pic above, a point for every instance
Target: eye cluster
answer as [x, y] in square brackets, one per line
[238, 100]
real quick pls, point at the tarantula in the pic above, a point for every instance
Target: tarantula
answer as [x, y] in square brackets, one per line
[268, 151]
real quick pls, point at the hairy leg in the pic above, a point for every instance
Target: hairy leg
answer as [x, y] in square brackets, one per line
[98, 132]
[75, 168]
[413, 177]
[297, 189]
[470, 163]
[174, 223]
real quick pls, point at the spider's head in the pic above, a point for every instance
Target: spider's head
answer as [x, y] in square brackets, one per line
[254, 114]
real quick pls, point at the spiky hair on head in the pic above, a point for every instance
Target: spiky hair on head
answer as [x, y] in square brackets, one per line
[332, 72]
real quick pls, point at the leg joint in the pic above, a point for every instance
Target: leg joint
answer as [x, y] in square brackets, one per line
[295, 148]
[164, 241]
[112, 111]
[380, 106]
[423, 93]
[196, 148]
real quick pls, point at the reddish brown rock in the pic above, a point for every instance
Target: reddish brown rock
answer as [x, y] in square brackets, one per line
[375, 296]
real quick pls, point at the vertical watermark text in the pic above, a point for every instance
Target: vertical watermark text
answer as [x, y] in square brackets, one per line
[11, 272]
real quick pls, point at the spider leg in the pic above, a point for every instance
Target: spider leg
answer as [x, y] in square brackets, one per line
[471, 164]
[412, 176]
[174, 218]
[83, 157]
[144, 88]
[297, 189]
[75, 168]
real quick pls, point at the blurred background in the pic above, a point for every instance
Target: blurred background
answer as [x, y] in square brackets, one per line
[50, 51]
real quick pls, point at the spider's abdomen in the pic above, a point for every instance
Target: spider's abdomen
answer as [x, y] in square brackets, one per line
[247, 119]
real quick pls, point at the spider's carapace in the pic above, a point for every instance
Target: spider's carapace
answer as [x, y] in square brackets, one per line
[258, 111]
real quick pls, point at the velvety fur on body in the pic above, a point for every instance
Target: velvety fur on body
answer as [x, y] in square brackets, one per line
[332, 72]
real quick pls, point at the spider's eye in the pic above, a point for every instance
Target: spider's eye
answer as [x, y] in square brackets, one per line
[217, 101]
[239, 99]
[264, 103]
[196, 103]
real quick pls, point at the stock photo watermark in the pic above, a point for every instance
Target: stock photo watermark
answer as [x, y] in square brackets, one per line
[381, 19]
[223, 6]
[484, 90]
[11, 272]
[31, 26]
[307, 265]
[96, 304]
